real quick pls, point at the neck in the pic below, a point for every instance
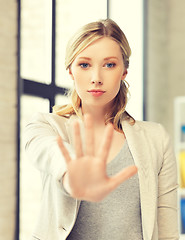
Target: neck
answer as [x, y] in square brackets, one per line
[97, 114]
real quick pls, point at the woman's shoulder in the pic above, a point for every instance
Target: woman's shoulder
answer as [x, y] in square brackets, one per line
[46, 121]
[148, 124]
[152, 128]
[141, 125]
[43, 117]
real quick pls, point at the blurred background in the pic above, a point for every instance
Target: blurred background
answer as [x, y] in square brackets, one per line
[33, 37]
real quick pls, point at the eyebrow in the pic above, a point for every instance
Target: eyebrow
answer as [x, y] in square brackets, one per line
[107, 58]
[86, 58]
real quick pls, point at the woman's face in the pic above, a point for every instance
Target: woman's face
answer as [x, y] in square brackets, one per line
[97, 72]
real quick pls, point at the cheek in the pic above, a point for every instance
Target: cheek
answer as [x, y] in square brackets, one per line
[117, 88]
[115, 83]
[116, 74]
[80, 81]
[79, 77]
[115, 79]
[75, 72]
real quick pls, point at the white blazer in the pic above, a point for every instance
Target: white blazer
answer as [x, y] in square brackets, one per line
[153, 155]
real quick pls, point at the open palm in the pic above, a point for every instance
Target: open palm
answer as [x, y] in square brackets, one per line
[86, 174]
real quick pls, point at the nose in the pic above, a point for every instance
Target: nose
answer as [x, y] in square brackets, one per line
[96, 82]
[96, 78]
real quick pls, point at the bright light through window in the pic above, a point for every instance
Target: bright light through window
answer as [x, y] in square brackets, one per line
[129, 16]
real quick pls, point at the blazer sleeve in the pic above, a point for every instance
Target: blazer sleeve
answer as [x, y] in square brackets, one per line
[40, 140]
[167, 192]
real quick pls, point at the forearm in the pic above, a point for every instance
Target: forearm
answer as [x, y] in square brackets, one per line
[168, 215]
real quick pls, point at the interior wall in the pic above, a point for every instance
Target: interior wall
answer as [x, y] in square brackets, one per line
[165, 60]
[8, 111]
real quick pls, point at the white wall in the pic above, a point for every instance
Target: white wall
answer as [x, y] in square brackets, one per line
[166, 60]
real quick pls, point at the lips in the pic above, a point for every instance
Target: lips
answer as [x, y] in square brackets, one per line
[96, 92]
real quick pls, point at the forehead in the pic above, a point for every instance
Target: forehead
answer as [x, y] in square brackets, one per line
[101, 47]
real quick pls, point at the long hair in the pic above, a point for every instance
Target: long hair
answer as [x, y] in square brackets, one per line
[82, 39]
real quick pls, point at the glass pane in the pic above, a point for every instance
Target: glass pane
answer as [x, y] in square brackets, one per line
[131, 22]
[30, 182]
[71, 15]
[61, 100]
[36, 40]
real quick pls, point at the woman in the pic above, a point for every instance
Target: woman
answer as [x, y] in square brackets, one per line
[104, 175]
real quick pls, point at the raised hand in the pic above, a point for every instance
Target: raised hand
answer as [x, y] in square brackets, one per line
[86, 177]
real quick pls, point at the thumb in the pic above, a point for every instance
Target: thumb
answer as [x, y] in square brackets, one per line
[122, 176]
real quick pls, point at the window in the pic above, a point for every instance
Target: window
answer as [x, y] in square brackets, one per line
[130, 19]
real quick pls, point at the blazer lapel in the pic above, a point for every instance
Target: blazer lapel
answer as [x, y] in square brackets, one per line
[139, 147]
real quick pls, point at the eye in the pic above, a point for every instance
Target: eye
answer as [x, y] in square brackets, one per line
[84, 65]
[110, 65]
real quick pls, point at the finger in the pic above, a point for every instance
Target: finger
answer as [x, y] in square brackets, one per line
[106, 143]
[89, 135]
[77, 140]
[122, 176]
[63, 150]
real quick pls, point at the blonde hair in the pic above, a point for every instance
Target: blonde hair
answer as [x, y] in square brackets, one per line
[82, 39]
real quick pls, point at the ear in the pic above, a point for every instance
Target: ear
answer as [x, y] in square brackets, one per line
[124, 75]
[71, 74]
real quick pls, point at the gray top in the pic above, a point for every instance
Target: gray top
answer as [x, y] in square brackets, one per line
[118, 216]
